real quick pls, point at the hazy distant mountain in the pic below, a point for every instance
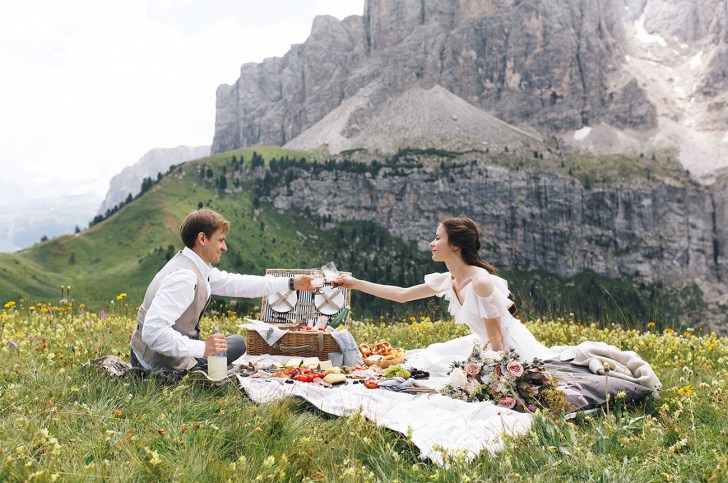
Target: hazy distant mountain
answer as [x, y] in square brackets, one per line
[25, 221]
[150, 165]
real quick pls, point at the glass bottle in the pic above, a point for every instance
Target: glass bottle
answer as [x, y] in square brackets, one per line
[217, 363]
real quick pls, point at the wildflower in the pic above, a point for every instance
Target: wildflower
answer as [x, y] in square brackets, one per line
[686, 391]
[102, 315]
[668, 330]
[650, 325]
[12, 344]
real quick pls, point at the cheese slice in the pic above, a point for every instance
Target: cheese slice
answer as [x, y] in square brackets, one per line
[310, 362]
[294, 362]
[323, 365]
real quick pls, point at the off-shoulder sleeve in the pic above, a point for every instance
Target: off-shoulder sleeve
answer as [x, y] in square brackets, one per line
[492, 306]
[439, 282]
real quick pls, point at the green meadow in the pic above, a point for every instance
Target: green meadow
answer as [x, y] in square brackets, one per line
[64, 421]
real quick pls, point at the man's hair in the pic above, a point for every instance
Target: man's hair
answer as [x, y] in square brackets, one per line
[202, 221]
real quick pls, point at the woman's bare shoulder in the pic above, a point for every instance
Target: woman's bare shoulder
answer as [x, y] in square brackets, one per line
[483, 284]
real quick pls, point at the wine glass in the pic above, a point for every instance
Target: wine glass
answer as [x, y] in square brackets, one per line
[330, 272]
[317, 282]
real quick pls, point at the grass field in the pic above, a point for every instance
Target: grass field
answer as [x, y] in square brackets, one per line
[62, 421]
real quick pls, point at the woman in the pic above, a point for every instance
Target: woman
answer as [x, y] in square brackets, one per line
[477, 296]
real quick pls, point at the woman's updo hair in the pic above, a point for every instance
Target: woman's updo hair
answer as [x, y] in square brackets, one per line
[462, 232]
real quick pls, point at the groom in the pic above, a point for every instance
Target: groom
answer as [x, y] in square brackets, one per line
[167, 333]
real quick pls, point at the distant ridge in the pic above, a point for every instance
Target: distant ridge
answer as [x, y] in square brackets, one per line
[155, 161]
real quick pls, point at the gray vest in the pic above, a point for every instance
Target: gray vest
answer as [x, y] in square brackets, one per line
[188, 323]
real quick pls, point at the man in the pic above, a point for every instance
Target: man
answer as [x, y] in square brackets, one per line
[167, 334]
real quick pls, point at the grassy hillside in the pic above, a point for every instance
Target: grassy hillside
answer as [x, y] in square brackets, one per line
[121, 253]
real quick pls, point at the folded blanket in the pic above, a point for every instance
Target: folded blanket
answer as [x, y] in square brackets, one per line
[621, 364]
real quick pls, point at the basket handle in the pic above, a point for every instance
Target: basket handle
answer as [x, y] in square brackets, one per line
[301, 348]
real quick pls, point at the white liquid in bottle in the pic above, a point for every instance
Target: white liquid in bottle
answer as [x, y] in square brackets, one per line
[217, 363]
[217, 367]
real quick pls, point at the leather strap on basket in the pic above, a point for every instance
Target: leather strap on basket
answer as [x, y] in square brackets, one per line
[301, 348]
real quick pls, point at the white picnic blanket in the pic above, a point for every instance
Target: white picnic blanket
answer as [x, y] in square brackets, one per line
[438, 425]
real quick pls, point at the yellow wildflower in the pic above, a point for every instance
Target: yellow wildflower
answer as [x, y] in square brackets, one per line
[686, 391]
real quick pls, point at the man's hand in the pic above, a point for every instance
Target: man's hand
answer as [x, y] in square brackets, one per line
[215, 343]
[303, 282]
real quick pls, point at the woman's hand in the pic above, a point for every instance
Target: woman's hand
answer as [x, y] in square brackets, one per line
[346, 281]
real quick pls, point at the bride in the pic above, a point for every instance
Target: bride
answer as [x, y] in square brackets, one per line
[478, 298]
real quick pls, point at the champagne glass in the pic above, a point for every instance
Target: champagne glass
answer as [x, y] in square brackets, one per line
[330, 272]
[317, 282]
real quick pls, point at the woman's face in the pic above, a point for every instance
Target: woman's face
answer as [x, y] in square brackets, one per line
[441, 250]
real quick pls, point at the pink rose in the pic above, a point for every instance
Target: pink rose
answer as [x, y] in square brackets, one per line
[507, 402]
[544, 377]
[473, 368]
[515, 368]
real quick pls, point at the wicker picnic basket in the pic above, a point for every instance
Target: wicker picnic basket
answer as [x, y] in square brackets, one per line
[295, 342]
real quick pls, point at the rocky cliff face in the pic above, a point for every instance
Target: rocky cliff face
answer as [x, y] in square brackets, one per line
[641, 73]
[155, 161]
[667, 230]
[547, 64]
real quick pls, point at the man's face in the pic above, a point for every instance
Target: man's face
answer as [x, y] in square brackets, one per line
[211, 248]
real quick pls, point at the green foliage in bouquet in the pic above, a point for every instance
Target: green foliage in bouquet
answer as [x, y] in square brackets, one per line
[503, 378]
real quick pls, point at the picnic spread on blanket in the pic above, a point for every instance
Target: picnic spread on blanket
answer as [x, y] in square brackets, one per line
[454, 398]
[446, 401]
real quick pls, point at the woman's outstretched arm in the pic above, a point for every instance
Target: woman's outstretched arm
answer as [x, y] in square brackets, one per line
[389, 292]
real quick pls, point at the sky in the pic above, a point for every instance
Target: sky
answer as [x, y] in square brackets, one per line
[87, 87]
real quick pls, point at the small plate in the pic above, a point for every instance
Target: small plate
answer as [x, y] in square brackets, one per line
[330, 301]
[283, 302]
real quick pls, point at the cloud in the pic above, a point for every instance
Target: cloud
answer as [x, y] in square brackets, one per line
[88, 87]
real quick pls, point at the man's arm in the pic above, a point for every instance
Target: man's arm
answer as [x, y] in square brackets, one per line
[175, 294]
[237, 285]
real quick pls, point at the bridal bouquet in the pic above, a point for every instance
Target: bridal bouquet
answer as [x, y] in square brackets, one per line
[501, 377]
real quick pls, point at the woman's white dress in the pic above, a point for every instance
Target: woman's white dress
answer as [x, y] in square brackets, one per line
[471, 312]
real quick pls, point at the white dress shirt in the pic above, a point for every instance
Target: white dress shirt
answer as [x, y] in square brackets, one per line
[176, 293]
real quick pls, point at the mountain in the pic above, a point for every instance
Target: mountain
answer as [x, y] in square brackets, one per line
[154, 162]
[610, 238]
[418, 118]
[26, 220]
[122, 252]
[610, 77]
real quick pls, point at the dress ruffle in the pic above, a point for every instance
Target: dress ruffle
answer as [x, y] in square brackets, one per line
[490, 307]
[475, 308]
[439, 282]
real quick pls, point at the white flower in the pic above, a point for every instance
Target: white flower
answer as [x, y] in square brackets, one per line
[490, 356]
[458, 378]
